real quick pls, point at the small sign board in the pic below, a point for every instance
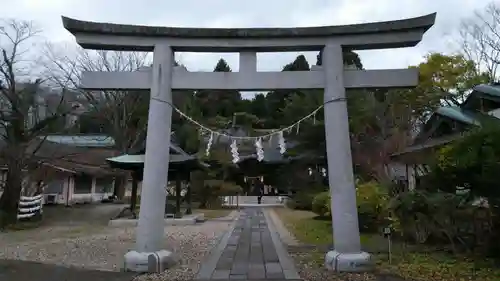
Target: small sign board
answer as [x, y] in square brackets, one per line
[387, 231]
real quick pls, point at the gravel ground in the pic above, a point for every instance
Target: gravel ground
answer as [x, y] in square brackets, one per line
[102, 248]
[310, 268]
[191, 251]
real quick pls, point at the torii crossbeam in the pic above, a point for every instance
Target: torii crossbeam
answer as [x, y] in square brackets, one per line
[163, 77]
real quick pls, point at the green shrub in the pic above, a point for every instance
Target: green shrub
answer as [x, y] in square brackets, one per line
[321, 204]
[290, 203]
[372, 201]
[424, 216]
[372, 206]
[208, 191]
[410, 213]
[214, 203]
[229, 189]
[301, 200]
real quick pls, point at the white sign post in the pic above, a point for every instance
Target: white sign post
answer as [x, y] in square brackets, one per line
[387, 234]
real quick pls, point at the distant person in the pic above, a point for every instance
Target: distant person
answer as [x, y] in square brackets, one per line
[260, 188]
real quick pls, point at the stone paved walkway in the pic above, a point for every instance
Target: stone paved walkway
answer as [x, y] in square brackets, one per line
[252, 250]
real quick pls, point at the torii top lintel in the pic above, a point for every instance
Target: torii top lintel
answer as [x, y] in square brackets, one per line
[376, 35]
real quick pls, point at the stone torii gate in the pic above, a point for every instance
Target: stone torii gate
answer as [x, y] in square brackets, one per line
[163, 77]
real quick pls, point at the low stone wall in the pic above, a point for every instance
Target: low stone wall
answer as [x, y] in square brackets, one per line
[185, 220]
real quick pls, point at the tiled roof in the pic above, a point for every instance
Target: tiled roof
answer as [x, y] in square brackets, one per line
[459, 114]
[487, 89]
[75, 159]
[468, 116]
[137, 156]
[82, 140]
[428, 144]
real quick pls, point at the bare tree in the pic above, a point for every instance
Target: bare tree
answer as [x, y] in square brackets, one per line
[121, 115]
[480, 39]
[24, 117]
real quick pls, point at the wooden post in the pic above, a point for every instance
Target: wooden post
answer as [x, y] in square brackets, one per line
[178, 189]
[237, 201]
[189, 209]
[133, 198]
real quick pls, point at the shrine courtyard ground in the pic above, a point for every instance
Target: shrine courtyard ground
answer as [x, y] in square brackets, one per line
[252, 243]
[80, 239]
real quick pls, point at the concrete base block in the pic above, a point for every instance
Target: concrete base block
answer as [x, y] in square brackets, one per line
[152, 262]
[348, 262]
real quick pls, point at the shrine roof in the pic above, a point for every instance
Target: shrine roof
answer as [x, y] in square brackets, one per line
[488, 89]
[136, 157]
[139, 158]
[458, 114]
[468, 113]
[81, 140]
[87, 27]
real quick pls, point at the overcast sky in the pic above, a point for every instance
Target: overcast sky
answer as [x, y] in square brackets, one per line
[255, 13]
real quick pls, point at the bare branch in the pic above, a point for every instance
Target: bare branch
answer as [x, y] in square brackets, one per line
[14, 47]
[113, 110]
[480, 39]
[23, 116]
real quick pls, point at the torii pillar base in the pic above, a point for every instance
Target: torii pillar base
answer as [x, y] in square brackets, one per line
[154, 262]
[341, 262]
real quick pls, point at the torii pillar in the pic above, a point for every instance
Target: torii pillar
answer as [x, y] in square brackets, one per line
[162, 78]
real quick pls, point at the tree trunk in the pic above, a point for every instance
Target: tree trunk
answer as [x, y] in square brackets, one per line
[39, 187]
[133, 198]
[119, 188]
[9, 201]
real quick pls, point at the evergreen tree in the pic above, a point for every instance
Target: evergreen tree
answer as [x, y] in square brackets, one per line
[222, 66]
[349, 57]
[276, 99]
[219, 103]
[299, 64]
